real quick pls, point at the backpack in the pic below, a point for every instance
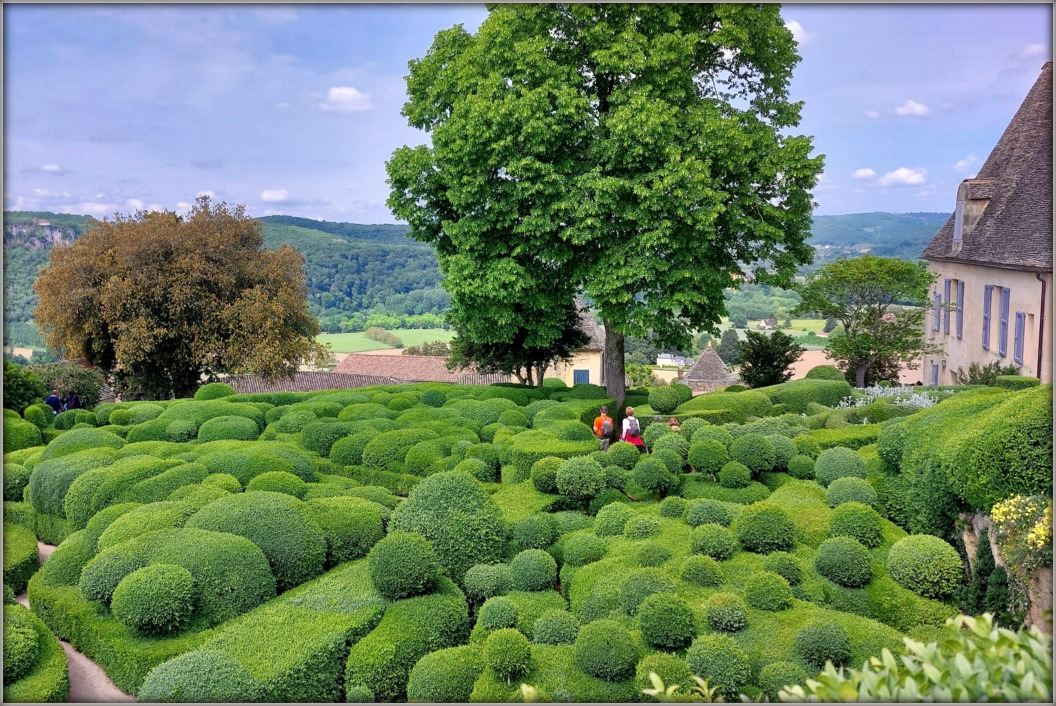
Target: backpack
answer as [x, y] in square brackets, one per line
[606, 426]
[632, 428]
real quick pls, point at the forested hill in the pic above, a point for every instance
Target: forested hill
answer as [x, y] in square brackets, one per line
[901, 235]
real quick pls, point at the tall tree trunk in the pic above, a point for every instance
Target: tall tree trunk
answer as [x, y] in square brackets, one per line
[540, 370]
[859, 373]
[613, 365]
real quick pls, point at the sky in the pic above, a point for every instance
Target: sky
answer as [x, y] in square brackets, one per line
[294, 109]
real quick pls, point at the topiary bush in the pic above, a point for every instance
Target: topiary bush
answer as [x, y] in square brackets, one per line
[485, 581]
[666, 621]
[403, 564]
[605, 649]
[764, 527]
[20, 435]
[624, 454]
[702, 571]
[612, 519]
[926, 565]
[708, 456]
[497, 613]
[200, 676]
[652, 554]
[766, 590]
[350, 525]
[708, 511]
[583, 548]
[713, 540]
[213, 391]
[672, 671]
[537, 531]
[755, 451]
[807, 445]
[157, 599]
[224, 481]
[444, 676]
[723, 660]
[726, 612]
[227, 427]
[16, 478]
[844, 561]
[278, 482]
[735, 475]
[851, 489]
[664, 400]
[673, 508]
[838, 462]
[21, 650]
[651, 474]
[857, 520]
[819, 643]
[777, 675]
[672, 442]
[711, 432]
[507, 653]
[785, 565]
[555, 627]
[544, 473]
[640, 584]
[533, 570]
[642, 527]
[801, 467]
[580, 478]
[477, 468]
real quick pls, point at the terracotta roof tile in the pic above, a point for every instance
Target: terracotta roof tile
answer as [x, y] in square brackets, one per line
[413, 368]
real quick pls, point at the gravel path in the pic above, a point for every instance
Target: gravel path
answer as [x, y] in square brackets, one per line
[88, 682]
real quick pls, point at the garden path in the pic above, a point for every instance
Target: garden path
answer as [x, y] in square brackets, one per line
[88, 682]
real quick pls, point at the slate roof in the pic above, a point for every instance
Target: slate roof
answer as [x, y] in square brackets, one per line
[413, 368]
[590, 327]
[1015, 229]
[307, 382]
[709, 370]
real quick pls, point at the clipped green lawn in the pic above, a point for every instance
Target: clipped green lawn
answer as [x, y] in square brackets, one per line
[358, 342]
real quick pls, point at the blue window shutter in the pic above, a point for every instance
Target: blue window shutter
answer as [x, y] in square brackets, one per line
[934, 373]
[580, 376]
[1017, 348]
[960, 309]
[1002, 324]
[946, 308]
[988, 294]
[938, 310]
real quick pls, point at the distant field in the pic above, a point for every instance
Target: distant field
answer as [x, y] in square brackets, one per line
[358, 342]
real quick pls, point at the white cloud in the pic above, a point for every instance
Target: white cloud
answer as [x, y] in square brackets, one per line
[52, 169]
[903, 176]
[53, 194]
[864, 173]
[207, 192]
[965, 164]
[1032, 51]
[274, 195]
[134, 204]
[872, 114]
[346, 98]
[183, 206]
[798, 33]
[91, 208]
[911, 107]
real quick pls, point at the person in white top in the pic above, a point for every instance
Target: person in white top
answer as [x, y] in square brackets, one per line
[632, 430]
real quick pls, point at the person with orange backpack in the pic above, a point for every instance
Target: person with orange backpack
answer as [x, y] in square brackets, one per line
[603, 428]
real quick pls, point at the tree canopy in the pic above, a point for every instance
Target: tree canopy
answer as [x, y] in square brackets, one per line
[160, 301]
[638, 154]
[881, 303]
[767, 359]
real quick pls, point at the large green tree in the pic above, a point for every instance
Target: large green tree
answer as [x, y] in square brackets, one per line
[640, 154]
[162, 301]
[881, 302]
[766, 359]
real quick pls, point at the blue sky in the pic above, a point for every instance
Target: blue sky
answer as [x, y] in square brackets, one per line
[295, 109]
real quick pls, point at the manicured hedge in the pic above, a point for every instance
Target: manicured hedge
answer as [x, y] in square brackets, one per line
[278, 482]
[738, 406]
[766, 590]
[851, 489]
[819, 643]
[755, 451]
[19, 434]
[555, 627]
[200, 676]
[926, 565]
[702, 571]
[533, 570]
[156, 599]
[21, 557]
[666, 621]
[402, 565]
[350, 525]
[98, 488]
[713, 540]
[844, 561]
[640, 584]
[49, 481]
[838, 462]
[485, 581]
[723, 660]
[796, 394]
[726, 612]
[764, 528]
[42, 674]
[227, 427]
[446, 675]
[604, 649]
[854, 436]
[857, 520]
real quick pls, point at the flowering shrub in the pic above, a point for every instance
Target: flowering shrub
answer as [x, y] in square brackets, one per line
[905, 395]
[1023, 529]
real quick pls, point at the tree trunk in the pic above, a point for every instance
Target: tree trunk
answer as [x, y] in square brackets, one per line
[613, 367]
[859, 373]
[540, 370]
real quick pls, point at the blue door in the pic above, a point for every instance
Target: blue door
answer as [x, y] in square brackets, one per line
[579, 376]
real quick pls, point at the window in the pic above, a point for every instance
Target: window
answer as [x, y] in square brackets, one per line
[946, 308]
[960, 309]
[1017, 347]
[580, 376]
[934, 373]
[988, 295]
[1002, 324]
[938, 310]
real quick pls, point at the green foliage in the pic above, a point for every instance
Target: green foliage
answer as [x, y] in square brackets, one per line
[664, 399]
[278, 482]
[497, 613]
[851, 489]
[604, 649]
[444, 676]
[652, 554]
[708, 456]
[477, 468]
[708, 511]
[200, 676]
[785, 565]
[844, 561]
[484, 581]
[403, 564]
[801, 467]
[766, 590]
[825, 372]
[764, 528]
[463, 523]
[766, 359]
[641, 583]
[723, 660]
[926, 565]
[350, 525]
[20, 435]
[555, 627]
[580, 478]
[702, 571]
[533, 570]
[1016, 382]
[229, 427]
[852, 436]
[507, 652]
[16, 478]
[838, 462]
[21, 649]
[21, 557]
[35, 667]
[729, 347]
[538, 531]
[711, 432]
[651, 473]
[726, 612]
[544, 473]
[642, 527]
[714, 541]
[156, 599]
[820, 643]
[755, 451]
[582, 548]
[213, 391]
[612, 519]
[671, 670]
[666, 621]
[859, 521]
[672, 508]
[797, 395]
[734, 475]
[22, 387]
[777, 675]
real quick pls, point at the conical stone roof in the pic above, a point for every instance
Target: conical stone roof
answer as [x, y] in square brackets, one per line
[709, 372]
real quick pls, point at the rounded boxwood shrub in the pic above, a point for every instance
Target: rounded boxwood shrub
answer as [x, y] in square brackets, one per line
[672, 442]
[735, 475]
[785, 565]
[278, 482]
[642, 527]
[666, 621]
[507, 653]
[838, 462]
[583, 548]
[708, 511]
[605, 649]
[555, 627]
[38, 417]
[819, 643]
[664, 399]
[713, 540]
[926, 565]
[537, 531]
[723, 661]
[485, 581]
[403, 564]
[825, 372]
[777, 675]
[702, 571]
[801, 467]
[224, 481]
[611, 519]
[755, 451]
[433, 398]
[854, 519]
[640, 584]
[444, 676]
[708, 456]
[497, 613]
[200, 676]
[784, 450]
[477, 468]
[213, 391]
[673, 507]
[227, 427]
[766, 590]
[624, 454]
[580, 478]
[672, 670]
[533, 570]
[726, 612]
[359, 694]
[714, 433]
[807, 446]
[544, 473]
[350, 525]
[670, 459]
[763, 528]
[120, 417]
[844, 561]
[651, 554]
[16, 478]
[651, 474]
[652, 432]
[21, 649]
[157, 599]
[851, 489]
